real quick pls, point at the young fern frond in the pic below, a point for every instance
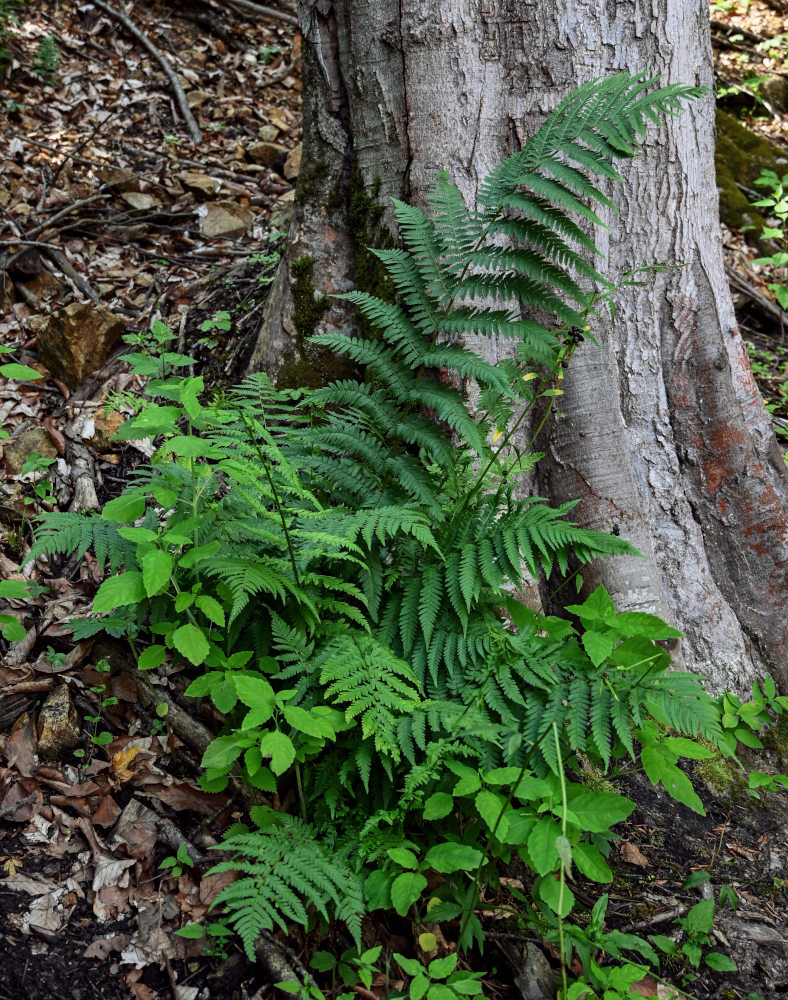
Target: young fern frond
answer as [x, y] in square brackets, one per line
[284, 870]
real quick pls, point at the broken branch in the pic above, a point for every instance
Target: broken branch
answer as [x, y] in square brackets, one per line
[175, 83]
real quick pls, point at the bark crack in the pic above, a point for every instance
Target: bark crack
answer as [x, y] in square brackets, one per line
[407, 189]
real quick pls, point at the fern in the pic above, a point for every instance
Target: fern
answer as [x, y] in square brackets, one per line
[375, 685]
[59, 533]
[284, 871]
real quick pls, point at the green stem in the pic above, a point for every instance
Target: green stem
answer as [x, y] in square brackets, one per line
[562, 873]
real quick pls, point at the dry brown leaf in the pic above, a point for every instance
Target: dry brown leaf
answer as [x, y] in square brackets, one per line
[632, 855]
[121, 761]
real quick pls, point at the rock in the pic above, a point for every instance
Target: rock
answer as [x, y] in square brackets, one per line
[121, 180]
[536, 980]
[293, 162]
[196, 98]
[269, 154]
[267, 133]
[77, 340]
[739, 158]
[200, 184]
[224, 218]
[16, 451]
[139, 200]
[282, 212]
[58, 723]
[775, 90]
[754, 931]
[104, 428]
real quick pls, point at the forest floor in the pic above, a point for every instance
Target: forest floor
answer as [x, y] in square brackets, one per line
[106, 200]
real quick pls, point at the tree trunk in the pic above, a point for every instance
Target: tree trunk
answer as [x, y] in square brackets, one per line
[663, 432]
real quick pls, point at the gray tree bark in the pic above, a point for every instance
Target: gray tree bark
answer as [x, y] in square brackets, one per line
[663, 432]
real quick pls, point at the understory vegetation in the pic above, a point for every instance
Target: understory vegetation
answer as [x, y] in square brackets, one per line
[340, 565]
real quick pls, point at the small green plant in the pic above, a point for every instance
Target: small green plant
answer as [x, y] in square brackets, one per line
[175, 863]
[697, 926]
[8, 21]
[99, 737]
[222, 321]
[47, 59]
[776, 201]
[37, 464]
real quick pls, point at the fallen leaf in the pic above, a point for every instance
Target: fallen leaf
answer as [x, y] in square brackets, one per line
[121, 761]
[632, 855]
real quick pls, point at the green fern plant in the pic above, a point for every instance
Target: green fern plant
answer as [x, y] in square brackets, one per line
[335, 563]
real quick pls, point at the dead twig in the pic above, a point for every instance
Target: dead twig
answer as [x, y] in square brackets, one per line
[659, 918]
[261, 11]
[61, 262]
[10, 810]
[183, 104]
[67, 210]
[763, 305]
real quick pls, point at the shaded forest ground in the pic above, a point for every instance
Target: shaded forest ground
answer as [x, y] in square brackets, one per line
[110, 217]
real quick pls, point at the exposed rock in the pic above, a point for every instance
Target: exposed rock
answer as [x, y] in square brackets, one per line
[196, 98]
[16, 451]
[267, 133]
[77, 340]
[269, 154]
[103, 429]
[740, 156]
[282, 212]
[224, 218]
[121, 180]
[200, 184]
[775, 90]
[58, 723]
[139, 200]
[293, 162]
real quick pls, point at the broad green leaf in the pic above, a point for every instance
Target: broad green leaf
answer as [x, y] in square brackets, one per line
[126, 507]
[542, 845]
[151, 657]
[211, 608]
[15, 589]
[700, 918]
[438, 805]
[191, 931]
[311, 723]
[11, 628]
[203, 685]
[598, 607]
[451, 857]
[597, 811]
[403, 857]
[719, 962]
[427, 942]
[549, 890]
[405, 890]
[645, 625]
[377, 890]
[491, 807]
[190, 642]
[157, 568]
[221, 753]
[118, 591]
[599, 645]
[683, 747]
[439, 968]
[589, 862]
[255, 692]
[198, 554]
[323, 961]
[418, 987]
[280, 749]
[19, 373]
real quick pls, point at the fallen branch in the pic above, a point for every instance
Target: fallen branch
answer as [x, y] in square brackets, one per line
[764, 306]
[64, 212]
[261, 11]
[60, 261]
[169, 72]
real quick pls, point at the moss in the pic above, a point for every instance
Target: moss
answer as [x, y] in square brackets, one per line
[740, 157]
[365, 223]
[309, 365]
[721, 774]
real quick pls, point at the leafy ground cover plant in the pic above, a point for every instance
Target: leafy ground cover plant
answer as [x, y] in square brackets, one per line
[334, 563]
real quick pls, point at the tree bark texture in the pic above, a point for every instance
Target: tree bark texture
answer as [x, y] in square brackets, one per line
[663, 432]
